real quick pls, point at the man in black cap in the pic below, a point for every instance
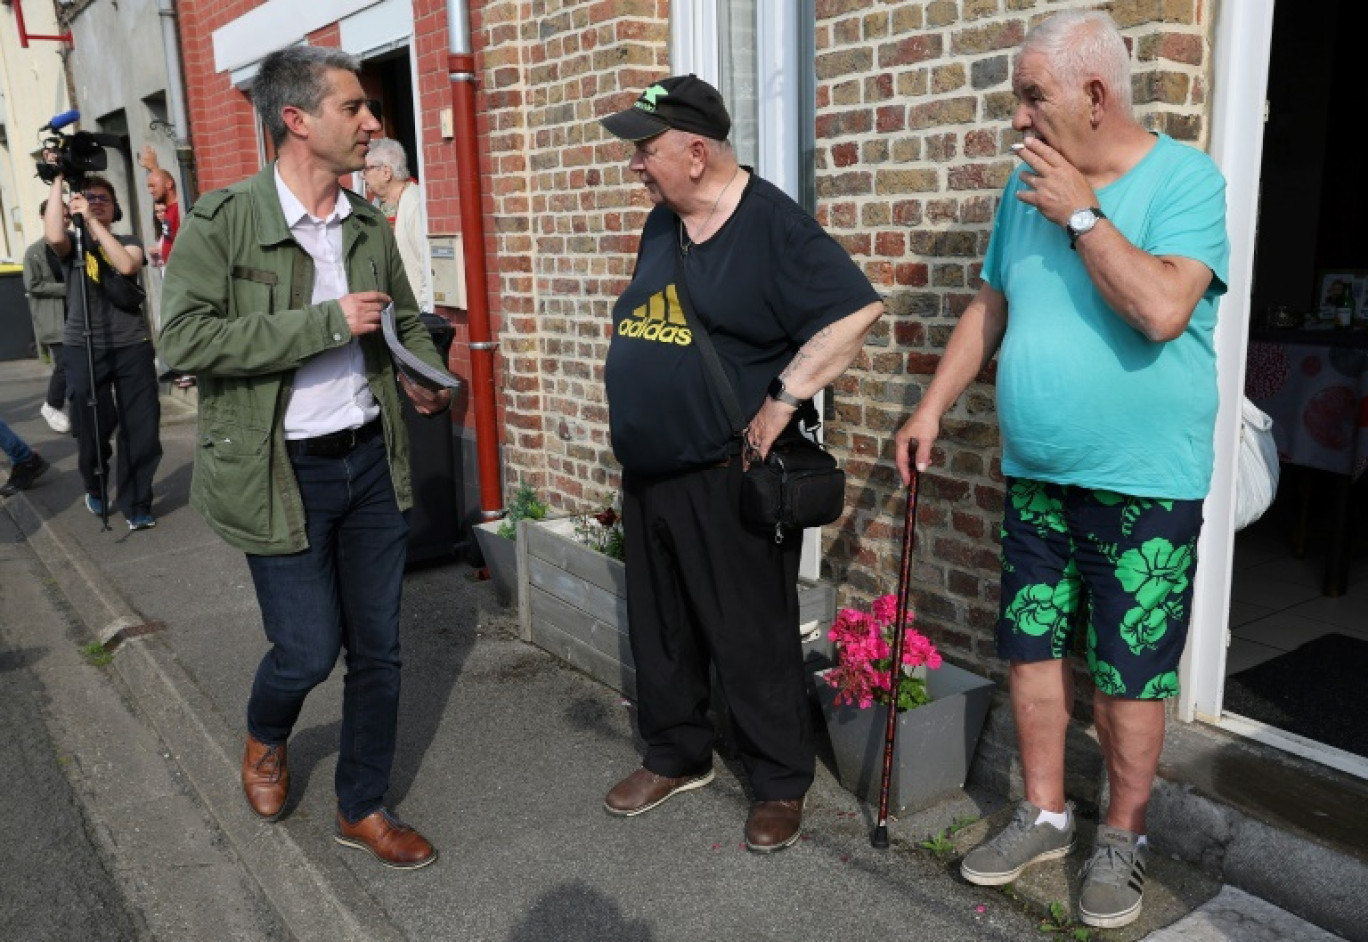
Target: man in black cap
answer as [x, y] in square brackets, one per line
[787, 310]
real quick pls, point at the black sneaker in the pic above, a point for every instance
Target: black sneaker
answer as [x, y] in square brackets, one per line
[24, 474]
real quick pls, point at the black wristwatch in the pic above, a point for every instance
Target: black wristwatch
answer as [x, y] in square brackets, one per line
[780, 394]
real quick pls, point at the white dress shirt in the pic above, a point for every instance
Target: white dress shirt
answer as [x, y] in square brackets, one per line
[330, 390]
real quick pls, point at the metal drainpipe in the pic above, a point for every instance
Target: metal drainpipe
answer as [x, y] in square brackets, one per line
[461, 69]
[175, 88]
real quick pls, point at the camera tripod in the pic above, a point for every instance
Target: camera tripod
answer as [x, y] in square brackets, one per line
[93, 398]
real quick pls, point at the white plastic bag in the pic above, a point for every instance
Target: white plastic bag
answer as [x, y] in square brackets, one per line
[1256, 480]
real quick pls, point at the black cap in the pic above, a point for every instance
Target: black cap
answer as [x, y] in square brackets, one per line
[681, 102]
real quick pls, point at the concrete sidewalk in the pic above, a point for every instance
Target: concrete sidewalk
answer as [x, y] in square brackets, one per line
[504, 757]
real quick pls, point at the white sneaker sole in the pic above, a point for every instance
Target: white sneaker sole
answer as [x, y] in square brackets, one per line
[1007, 876]
[1110, 920]
[688, 786]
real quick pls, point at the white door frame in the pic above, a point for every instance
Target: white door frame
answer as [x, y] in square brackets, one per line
[1244, 35]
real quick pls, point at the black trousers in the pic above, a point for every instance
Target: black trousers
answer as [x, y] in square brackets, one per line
[57, 383]
[128, 405]
[704, 590]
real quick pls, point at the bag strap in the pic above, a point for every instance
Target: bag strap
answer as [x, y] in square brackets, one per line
[717, 377]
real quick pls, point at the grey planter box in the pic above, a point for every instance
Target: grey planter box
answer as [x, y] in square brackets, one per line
[934, 746]
[572, 601]
[501, 559]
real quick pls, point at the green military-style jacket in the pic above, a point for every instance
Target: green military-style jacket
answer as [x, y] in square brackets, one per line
[236, 314]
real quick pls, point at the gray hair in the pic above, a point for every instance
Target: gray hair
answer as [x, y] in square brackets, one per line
[295, 77]
[1080, 44]
[390, 153]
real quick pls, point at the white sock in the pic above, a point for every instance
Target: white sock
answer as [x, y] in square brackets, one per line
[1058, 820]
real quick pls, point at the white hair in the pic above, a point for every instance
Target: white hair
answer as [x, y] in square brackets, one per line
[390, 153]
[1081, 44]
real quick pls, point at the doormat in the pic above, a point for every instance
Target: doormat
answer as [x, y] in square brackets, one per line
[1316, 691]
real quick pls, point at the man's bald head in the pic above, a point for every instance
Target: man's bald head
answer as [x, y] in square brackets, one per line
[162, 186]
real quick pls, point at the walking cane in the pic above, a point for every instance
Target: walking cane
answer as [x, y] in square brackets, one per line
[880, 836]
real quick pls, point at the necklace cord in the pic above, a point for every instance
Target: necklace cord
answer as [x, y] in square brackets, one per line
[684, 241]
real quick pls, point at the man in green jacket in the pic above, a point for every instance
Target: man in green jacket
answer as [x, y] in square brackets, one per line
[273, 300]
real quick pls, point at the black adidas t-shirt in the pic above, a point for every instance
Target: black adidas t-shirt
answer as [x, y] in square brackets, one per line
[765, 283]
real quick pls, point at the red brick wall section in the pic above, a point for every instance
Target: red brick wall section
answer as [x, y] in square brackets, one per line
[222, 125]
[564, 221]
[914, 107]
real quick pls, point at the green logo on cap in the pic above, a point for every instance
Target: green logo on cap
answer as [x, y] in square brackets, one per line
[647, 101]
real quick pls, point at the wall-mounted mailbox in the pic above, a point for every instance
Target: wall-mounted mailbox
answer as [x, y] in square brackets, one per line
[448, 270]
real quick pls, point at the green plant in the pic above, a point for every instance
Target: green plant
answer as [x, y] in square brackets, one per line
[961, 822]
[602, 531]
[1057, 920]
[523, 506]
[97, 654]
[938, 844]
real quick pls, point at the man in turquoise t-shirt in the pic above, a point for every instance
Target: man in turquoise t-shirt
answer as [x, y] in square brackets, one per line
[1107, 258]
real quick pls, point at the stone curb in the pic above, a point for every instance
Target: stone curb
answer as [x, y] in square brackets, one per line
[312, 892]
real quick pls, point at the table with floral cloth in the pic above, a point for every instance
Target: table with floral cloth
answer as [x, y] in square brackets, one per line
[1316, 391]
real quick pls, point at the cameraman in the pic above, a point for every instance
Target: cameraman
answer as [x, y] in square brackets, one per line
[118, 345]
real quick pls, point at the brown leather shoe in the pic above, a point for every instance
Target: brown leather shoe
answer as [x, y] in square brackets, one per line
[265, 778]
[387, 839]
[774, 825]
[643, 790]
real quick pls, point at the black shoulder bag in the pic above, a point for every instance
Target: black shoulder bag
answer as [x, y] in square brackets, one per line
[798, 484]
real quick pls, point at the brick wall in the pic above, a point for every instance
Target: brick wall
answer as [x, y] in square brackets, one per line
[222, 124]
[567, 215]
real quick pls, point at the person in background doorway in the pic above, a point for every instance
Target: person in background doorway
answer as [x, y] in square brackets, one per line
[47, 307]
[1100, 285]
[161, 186]
[401, 200]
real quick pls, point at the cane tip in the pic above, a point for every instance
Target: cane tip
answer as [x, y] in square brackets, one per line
[879, 839]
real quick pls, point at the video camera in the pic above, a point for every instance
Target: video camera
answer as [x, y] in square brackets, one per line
[77, 154]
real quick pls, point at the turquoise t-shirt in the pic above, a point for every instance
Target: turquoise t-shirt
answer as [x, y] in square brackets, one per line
[1083, 397]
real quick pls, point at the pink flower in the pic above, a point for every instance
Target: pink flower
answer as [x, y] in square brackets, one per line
[864, 646]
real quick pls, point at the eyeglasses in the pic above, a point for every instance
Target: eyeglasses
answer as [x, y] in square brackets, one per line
[97, 197]
[368, 167]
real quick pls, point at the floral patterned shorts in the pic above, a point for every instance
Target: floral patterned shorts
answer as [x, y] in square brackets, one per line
[1118, 567]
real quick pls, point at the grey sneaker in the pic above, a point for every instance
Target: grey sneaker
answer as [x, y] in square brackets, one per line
[1017, 846]
[1113, 880]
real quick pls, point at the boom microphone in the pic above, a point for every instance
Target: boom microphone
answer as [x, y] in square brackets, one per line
[62, 120]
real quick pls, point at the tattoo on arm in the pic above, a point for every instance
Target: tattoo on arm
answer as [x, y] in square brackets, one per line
[808, 349]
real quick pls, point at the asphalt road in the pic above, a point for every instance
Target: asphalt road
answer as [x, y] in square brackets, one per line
[46, 850]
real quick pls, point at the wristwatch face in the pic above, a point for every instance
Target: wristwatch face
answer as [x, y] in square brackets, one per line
[777, 391]
[1082, 220]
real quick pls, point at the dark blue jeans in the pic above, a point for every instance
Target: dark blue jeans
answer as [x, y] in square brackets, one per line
[13, 446]
[342, 593]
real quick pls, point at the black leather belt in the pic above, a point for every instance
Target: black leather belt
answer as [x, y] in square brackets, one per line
[334, 444]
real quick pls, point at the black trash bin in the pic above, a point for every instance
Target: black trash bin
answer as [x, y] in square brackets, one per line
[16, 327]
[433, 522]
